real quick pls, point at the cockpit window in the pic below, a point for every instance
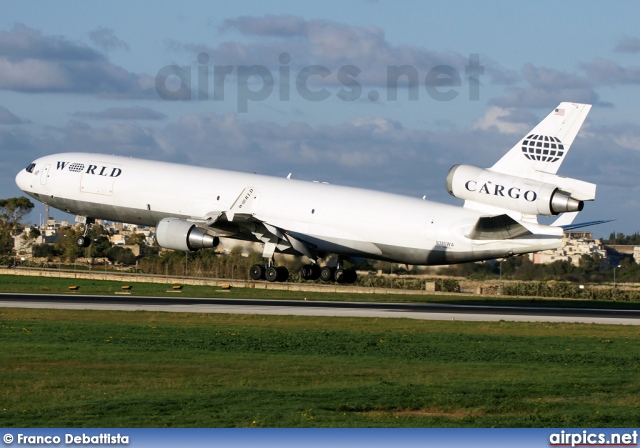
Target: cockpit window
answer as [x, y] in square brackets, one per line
[31, 167]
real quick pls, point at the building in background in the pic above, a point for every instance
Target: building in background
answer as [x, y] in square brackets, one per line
[574, 246]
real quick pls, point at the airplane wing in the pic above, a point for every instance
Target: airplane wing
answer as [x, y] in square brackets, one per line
[242, 216]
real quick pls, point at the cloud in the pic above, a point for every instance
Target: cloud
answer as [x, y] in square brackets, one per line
[548, 78]
[519, 97]
[22, 42]
[269, 25]
[506, 121]
[331, 45]
[126, 138]
[628, 45]
[6, 117]
[32, 62]
[106, 40]
[123, 113]
[606, 72]
[546, 88]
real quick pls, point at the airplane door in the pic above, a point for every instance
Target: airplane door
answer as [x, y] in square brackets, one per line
[100, 182]
[44, 175]
[96, 184]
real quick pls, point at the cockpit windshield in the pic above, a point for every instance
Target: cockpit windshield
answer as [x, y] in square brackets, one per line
[30, 167]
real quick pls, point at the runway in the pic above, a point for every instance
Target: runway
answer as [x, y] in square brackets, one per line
[317, 308]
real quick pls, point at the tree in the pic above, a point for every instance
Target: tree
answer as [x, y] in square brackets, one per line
[99, 246]
[12, 211]
[137, 238]
[43, 250]
[66, 245]
[590, 262]
[120, 255]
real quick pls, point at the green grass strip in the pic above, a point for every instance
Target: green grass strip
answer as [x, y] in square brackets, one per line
[62, 368]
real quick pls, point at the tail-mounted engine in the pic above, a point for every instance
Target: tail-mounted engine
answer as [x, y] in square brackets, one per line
[174, 233]
[519, 194]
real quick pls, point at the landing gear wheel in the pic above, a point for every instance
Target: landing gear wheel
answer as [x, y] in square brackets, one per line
[346, 276]
[310, 272]
[83, 241]
[315, 272]
[283, 274]
[256, 272]
[305, 272]
[271, 274]
[351, 276]
[327, 274]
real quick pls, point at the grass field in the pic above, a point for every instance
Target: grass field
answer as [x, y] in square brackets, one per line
[103, 369]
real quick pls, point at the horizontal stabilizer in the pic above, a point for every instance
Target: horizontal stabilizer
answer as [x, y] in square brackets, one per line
[585, 224]
[565, 219]
[501, 227]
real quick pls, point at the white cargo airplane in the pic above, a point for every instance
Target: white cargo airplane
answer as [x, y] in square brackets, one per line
[192, 207]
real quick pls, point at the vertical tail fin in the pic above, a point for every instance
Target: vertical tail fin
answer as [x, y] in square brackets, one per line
[523, 184]
[545, 147]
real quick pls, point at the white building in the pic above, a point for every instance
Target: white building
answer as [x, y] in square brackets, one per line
[574, 246]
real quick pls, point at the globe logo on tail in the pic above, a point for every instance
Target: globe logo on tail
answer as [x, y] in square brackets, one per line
[542, 148]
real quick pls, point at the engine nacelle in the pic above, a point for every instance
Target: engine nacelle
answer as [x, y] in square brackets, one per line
[174, 233]
[509, 192]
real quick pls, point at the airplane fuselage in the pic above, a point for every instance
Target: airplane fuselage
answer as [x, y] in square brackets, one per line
[329, 218]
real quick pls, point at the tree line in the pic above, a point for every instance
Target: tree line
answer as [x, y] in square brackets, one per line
[622, 239]
[591, 269]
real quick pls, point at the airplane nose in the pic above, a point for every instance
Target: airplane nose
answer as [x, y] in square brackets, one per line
[22, 181]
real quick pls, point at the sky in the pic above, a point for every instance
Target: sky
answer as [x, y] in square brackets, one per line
[374, 94]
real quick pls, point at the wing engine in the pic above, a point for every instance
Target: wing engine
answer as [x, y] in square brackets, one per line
[177, 234]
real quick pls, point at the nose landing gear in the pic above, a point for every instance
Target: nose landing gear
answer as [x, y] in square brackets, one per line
[84, 240]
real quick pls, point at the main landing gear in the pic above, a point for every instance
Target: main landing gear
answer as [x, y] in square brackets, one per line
[328, 274]
[309, 272]
[270, 273]
[338, 275]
